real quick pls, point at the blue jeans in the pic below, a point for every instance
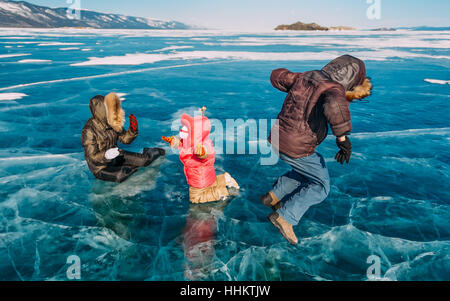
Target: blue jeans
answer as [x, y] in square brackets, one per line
[307, 184]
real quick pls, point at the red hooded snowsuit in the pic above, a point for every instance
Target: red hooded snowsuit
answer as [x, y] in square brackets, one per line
[200, 173]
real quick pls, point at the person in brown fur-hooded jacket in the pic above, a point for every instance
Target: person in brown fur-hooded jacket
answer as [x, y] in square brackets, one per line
[316, 100]
[100, 136]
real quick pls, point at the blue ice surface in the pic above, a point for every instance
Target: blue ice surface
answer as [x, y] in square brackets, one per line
[392, 201]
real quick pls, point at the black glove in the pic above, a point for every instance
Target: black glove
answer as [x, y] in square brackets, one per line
[346, 151]
[154, 152]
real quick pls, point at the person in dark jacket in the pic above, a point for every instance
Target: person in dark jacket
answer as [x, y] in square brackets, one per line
[100, 136]
[315, 100]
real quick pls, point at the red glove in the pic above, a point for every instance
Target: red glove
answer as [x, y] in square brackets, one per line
[167, 139]
[133, 123]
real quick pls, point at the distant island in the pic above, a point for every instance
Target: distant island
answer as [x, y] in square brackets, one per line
[22, 14]
[316, 27]
[311, 26]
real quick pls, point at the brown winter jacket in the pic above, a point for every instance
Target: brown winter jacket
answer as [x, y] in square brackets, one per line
[315, 99]
[102, 131]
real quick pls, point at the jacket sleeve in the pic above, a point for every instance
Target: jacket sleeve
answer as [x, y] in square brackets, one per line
[91, 150]
[127, 137]
[283, 79]
[336, 110]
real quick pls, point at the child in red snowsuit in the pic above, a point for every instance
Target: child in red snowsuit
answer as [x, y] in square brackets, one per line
[198, 156]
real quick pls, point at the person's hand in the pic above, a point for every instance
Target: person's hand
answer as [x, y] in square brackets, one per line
[112, 153]
[133, 123]
[175, 142]
[346, 150]
[200, 152]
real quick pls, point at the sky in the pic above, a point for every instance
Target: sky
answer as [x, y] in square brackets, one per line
[254, 15]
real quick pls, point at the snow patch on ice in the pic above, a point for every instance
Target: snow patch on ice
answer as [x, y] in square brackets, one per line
[34, 61]
[17, 38]
[149, 58]
[438, 42]
[12, 96]
[142, 58]
[172, 48]
[23, 42]
[34, 158]
[69, 48]
[3, 56]
[437, 81]
[59, 44]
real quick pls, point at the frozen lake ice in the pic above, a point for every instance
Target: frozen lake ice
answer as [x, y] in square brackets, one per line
[392, 201]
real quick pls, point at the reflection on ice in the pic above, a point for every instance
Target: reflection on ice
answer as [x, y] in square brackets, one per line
[199, 239]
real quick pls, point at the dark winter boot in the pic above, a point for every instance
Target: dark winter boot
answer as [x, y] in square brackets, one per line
[153, 154]
[271, 200]
[277, 206]
[286, 229]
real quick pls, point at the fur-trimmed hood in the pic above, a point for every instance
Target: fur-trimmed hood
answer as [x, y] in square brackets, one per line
[114, 113]
[350, 72]
[347, 70]
[97, 107]
[199, 128]
[108, 110]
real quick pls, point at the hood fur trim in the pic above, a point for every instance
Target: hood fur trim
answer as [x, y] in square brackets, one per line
[114, 113]
[360, 92]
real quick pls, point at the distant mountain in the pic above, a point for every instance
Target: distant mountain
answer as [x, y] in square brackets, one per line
[24, 14]
[311, 26]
